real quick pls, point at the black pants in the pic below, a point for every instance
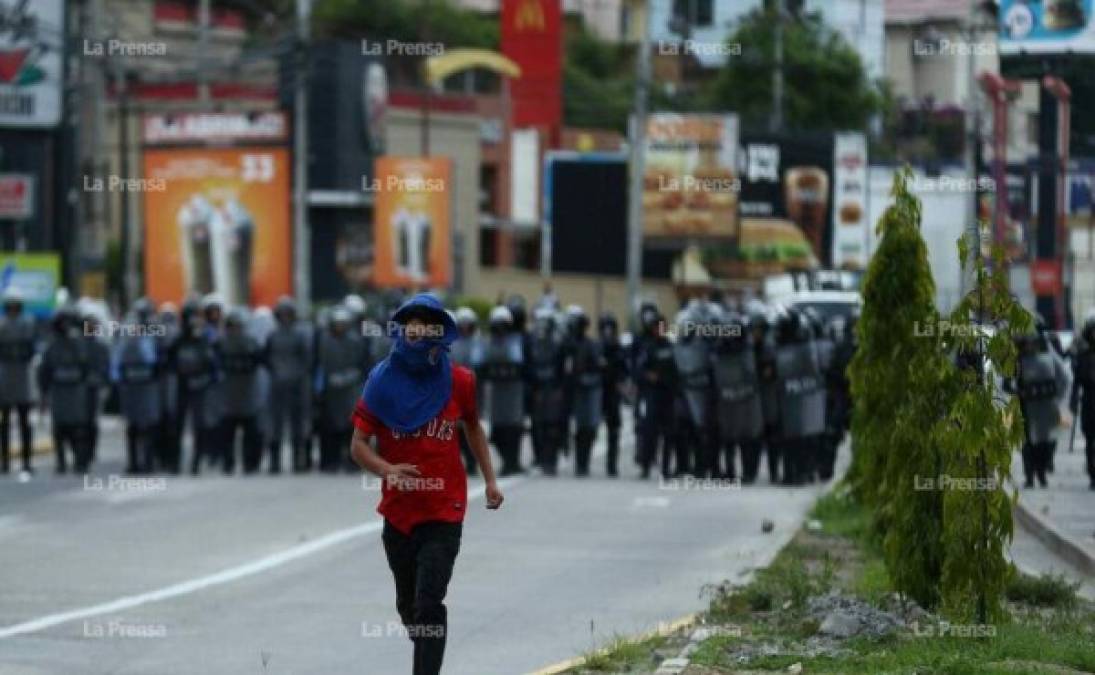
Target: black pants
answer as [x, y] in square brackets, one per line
[507, 438]
[651, 439]
[548, 436]
[252, 442]
[583, 449]
[140, 454]
[334, 448]
[23, 411]
[612, 459]
[77, 438]
[772, 451]
[750, 459]
[826, 458]
[1089, 450]
[422, 565]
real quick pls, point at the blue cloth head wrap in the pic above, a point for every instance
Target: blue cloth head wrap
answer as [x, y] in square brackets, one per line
[413, 383]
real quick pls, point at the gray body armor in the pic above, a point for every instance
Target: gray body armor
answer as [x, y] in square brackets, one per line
[502, 370]
[140, 387]
[240, 359]
[342, 362]
[1040, 384]
[16, 353]
[288, 355]
[767, 373]
[802, 390]
[548, 405]
[587, 372]
[737, 387]
[66, 368]
[693, 359]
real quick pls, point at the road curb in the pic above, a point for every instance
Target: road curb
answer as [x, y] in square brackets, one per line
[663, 628]
[1064, 546]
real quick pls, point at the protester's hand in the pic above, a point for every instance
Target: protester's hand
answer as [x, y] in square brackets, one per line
[494, 496]
[402, 476]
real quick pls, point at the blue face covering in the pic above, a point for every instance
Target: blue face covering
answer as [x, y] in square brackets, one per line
[411, 386]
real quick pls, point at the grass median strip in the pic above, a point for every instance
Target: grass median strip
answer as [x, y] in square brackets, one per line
[826, 605]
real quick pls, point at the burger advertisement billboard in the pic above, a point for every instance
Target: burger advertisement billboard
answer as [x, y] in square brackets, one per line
[690, 184]
[1047, 27]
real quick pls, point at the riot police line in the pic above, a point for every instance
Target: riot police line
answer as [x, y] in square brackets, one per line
[710, 393]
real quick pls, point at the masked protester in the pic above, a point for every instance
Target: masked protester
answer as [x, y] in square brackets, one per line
[737, 385]
[546, 377]
[240, 358]
[341, 368]
[585, 372]
[614, 378]
[288, 356]
[802, 410]
[405, 432]
[764, 353]
[64, 379]
[502, 371]
[1082, 399]
[16, 353]
[135, 367]
[467, 351]
[655, 371]
[1040, 381]
[191, 361]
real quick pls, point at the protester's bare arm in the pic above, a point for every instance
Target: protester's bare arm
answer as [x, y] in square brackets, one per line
[477, 440]
[370, 460]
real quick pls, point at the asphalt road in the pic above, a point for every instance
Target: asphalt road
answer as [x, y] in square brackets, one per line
[284, 574]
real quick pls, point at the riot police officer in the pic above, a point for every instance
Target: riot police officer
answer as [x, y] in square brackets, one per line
[191, 361]
[825, 346]
[547, 406]
[341, 362]
[585, 372]
[467, 351]
[64, 379]
[655, 372]
[16, 353]
[167, 331]
[1082, 399]
[802, 395]
[694, 397]
[838, 405]
[98, 351]
[1039, 382]
[240, 358]
[135, 369]
[614, 378]
[287, 355]
[737, 385]
[502, 371]
[764, 354]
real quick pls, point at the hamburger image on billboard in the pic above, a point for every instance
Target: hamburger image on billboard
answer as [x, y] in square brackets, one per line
[690, 186]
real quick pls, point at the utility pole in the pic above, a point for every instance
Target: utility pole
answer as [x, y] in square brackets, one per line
[301, 236]
[638, 160]
[775, 123]
[972, 153]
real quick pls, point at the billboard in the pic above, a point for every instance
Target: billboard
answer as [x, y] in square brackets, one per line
[532, 36]
[31, 43]
[413, 247]
[1047, 27]
[217, 220]
[690, 184]
[850, 201]
[35, 275]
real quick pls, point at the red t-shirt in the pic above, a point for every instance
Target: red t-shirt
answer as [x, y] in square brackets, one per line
[441, 494]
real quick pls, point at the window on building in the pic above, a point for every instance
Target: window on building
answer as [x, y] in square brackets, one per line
[696, 13]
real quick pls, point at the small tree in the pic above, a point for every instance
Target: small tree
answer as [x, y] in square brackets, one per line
[896, 369]
[981, 428]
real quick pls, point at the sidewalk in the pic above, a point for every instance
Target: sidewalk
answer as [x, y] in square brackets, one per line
[1062, 515]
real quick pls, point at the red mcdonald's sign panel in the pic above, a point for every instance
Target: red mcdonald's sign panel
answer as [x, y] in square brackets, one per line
[532, 36]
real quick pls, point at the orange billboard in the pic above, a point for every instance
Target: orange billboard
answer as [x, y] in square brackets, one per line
[217, 220]
[412, 231]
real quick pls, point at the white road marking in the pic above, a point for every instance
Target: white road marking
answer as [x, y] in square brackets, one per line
[650, 502]
[225, 576]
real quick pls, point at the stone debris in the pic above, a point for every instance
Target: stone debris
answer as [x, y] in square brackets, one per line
[844, 616]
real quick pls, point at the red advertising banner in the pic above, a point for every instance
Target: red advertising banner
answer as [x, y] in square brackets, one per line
[532, 36]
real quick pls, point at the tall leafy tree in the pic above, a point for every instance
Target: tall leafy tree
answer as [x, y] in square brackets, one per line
[898, 362]
[825, 85]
